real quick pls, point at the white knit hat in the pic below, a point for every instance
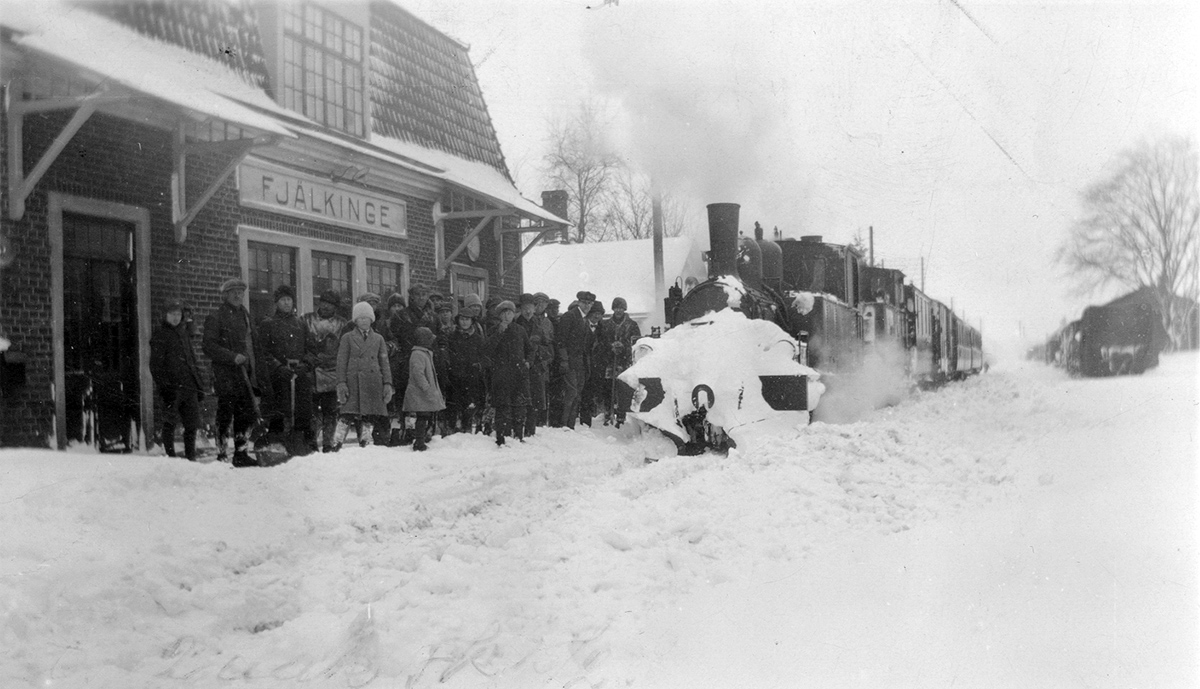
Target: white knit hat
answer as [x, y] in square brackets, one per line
[363, 310]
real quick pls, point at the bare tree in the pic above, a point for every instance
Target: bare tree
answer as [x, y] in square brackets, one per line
[581, 160]
[628, 210]
[1139, 229]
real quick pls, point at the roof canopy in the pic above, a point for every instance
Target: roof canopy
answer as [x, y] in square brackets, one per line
[114, 55]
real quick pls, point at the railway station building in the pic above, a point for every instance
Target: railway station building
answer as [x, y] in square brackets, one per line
[154, 150]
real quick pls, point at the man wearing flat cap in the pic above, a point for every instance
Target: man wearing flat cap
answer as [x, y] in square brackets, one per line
[288, 354]
[325, 328]
[574, 341]
[230, 341]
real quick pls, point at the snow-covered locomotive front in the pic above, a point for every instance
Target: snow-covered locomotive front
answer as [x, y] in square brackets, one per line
[726, 366]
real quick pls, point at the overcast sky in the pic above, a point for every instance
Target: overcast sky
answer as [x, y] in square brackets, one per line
[962, 131]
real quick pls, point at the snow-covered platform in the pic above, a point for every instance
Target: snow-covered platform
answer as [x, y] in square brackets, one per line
[1018, 529]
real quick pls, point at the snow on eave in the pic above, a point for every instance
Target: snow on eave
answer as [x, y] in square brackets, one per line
[116, 54]
[473, 176]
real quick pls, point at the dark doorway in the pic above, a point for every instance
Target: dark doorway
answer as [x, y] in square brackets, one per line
[100, 332]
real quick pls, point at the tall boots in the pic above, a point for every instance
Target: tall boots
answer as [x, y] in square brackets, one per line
[419, 433]
[189, 442]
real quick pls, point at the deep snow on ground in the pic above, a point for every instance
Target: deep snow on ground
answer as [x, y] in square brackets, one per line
[1020, 529]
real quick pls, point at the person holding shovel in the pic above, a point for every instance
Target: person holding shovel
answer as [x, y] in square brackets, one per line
[288, 353]
[230, 342]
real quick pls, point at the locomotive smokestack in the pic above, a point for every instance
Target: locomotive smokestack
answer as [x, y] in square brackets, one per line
[723, 238]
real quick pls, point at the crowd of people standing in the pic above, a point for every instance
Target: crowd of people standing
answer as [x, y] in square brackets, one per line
[395, 373]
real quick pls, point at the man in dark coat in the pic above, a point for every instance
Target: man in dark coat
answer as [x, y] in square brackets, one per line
[288, 355]
[325, 329]
[510, 354]
[231, 342]
[173, 367]
[574, 341]
[614, 352]
[543, 353]
[594, 380]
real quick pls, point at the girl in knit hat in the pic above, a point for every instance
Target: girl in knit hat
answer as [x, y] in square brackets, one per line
[364, 377]
[423, 398]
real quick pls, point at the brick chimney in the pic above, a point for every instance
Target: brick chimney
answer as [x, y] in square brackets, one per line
[555, 201]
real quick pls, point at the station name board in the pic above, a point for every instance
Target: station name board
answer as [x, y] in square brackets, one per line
[280, 190]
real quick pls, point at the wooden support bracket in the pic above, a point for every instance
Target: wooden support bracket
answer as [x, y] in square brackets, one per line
[541, 235]
[182, 213]
[439, 217]
[19, 184]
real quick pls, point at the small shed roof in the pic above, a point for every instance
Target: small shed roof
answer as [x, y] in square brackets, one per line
[610, 269]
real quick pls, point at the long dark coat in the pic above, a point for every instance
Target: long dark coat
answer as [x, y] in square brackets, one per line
[510, 355]
[575, 340]
[465, 364]
[227, 333]
[173, 361]
[362, 365]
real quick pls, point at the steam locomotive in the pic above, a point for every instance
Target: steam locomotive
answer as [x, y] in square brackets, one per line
[834, 316]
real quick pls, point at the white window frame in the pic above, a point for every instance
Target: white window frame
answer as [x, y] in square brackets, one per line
[456, 269]
[304, 265]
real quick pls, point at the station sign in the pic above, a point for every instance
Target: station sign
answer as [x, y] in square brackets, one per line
[278, 189]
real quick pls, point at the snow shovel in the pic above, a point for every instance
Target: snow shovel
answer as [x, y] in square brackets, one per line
[294, 440]
[266, 453]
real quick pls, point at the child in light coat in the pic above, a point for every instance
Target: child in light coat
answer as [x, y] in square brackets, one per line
[364, 377]
[423, 398]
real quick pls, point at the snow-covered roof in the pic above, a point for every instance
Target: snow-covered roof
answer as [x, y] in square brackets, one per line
[476, 177]
[610, 269]
[119, 56]
[441, 129]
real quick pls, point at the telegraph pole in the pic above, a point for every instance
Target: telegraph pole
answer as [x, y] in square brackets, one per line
[660, 288]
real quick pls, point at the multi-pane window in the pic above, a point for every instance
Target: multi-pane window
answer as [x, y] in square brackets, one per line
[468, 284]
[384, 278]
[332, 272]
[322, 67]
[269, 266]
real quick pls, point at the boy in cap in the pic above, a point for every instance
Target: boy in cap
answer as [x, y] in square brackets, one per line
[465, 394]
[510, 353]
[177, 377]
[231, 342]
[325, 328]
[288, 354]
